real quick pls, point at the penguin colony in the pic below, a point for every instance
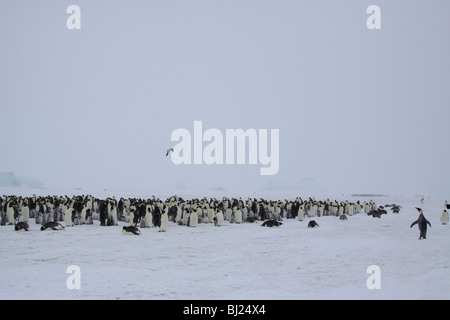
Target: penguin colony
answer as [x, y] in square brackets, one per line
[154, 212]
[49, 211]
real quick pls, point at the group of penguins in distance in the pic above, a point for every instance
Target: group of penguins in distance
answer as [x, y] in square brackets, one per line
[153, 212]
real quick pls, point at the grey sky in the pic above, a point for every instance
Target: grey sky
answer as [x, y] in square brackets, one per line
[358, 110]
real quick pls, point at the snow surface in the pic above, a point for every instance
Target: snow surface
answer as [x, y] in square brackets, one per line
[235, 261]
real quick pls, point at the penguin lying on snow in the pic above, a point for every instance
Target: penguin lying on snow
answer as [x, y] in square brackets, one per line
[21, 226]
[271, 223]
[313, 224]
[422, 223]
[377, 213]
[131, 230]
[52, 225]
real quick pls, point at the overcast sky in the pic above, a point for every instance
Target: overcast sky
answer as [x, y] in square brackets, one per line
[357, 110]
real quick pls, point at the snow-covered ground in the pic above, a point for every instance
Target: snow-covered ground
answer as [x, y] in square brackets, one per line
[235, 261]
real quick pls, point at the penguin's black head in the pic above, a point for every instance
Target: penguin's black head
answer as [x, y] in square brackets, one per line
[420, 210]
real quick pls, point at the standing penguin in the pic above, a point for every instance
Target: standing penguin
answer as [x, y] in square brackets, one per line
[238, 216]
[164, 220]
[131, 216]
[228, 214]
[103, 210]
[300, 213]
[218, 218]
[112, 215]
[86, 216]
[211, 215]
[148, 216]
[193, 218]
[25, 212]
[10, 214]
[156, 216]
[444, 217]
[68, 217]
[422, 223]
[179, 216]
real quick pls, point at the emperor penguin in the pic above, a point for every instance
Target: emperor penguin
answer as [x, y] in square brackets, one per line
[25, 212]
[313, 224]
[351, 209]
[148, 216]
[313, 210]
[132, 210]
[301, 213]
[277, 213]
[52, 226]
[86, 216]
[10, 214]
[422, 223]
[193, 218]
[218, 218]
[444, 217]
[63, 207]
[211, 214]
[179, 214]
[238, 216]
[68, 217]
[22, 225]
[271, 223]
[320, 209]
[366, 207]
[131, 230]
[112, 217]
[164, 220]
[341, 210]
[228, 214]
[186, 217]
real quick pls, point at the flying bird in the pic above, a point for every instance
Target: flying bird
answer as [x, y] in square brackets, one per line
[168, 151]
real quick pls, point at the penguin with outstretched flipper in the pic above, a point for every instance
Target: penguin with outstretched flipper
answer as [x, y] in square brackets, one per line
[422, 223]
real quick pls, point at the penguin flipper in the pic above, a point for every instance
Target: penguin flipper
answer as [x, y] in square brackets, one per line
[415, 222]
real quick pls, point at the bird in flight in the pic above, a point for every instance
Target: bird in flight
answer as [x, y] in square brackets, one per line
[168, 151]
